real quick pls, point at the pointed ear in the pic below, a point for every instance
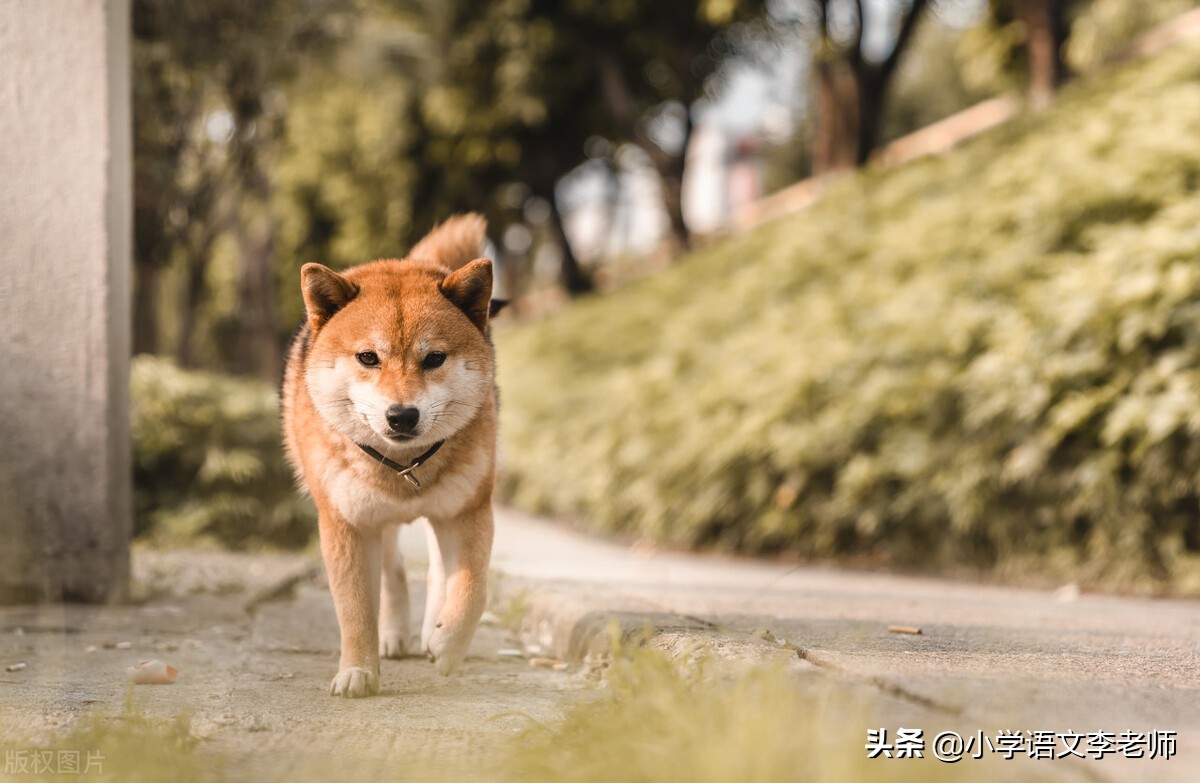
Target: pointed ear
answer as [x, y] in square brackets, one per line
[325, 292]
[454, 242]
[470, 289]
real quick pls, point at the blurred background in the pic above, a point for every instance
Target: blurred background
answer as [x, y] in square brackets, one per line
[748, 312]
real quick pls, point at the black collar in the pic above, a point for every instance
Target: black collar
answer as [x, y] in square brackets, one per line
[403, 470]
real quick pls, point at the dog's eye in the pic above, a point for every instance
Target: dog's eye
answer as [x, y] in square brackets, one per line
[434, 360]
[368, 359]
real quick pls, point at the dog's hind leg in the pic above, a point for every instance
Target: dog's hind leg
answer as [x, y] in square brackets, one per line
[465, 543]
[435, 593]
[393, 600]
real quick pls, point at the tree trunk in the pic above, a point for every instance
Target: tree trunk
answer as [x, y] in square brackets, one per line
[189, 305]
[671, 171]
[670, 168]
[574, 279]
[851, 94]
[1043, 46]
[835, 142]
[258, 350]
[612, 205]
[145, 307]
[872, 92]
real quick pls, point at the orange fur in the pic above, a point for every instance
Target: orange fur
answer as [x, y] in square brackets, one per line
[454, 242]
[401, 312]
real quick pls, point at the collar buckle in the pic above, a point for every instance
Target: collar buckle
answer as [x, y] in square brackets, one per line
[403, 470]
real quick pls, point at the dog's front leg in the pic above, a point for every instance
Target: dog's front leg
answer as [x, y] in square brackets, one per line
[465, 544]
[352, 563]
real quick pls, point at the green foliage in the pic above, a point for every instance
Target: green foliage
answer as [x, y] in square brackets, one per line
[208, 461]
[988, 360]
[991, 54]
[342, 181]
[1105, 27]
[270, 134]
[704, 720]
[209, 109]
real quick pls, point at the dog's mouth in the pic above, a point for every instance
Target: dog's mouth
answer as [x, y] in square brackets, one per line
[400, 437]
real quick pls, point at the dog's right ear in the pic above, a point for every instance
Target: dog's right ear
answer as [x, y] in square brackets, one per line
[325, 292]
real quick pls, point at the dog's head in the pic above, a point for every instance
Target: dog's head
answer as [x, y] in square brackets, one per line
[399, 354]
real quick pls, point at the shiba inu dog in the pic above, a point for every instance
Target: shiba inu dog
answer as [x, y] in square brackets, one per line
[389, 415]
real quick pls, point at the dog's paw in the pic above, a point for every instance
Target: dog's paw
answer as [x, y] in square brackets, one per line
[354, 683]
[392, 644]
[447, 650]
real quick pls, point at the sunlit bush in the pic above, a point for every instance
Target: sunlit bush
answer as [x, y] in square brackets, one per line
[208, 462]
[989, 359]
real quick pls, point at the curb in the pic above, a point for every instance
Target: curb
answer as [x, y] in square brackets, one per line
[582, 628]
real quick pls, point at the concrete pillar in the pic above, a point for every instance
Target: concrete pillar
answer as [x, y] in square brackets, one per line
[65, 235]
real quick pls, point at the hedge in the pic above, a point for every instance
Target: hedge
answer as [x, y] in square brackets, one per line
[208, 462]
[986, 361]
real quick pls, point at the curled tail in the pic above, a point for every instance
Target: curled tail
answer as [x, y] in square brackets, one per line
[453, 243]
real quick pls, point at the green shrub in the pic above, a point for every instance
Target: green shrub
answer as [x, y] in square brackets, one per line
[208, 461]
[989, 359]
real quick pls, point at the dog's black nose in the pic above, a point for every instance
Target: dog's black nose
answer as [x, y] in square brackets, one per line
[403, 419]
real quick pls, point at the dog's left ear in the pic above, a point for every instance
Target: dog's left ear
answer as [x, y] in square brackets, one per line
[470, 289]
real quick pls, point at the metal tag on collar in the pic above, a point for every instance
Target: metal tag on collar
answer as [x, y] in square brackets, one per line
[403, 470]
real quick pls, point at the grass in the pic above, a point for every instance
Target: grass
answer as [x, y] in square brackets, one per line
[511, 607]
[661, 720]
[129, 747]
[705, 719]
[987, 361]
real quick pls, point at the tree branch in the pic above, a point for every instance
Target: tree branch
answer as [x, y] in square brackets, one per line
[624, 109]
[616, 92]
[902, 38]
[856, 55]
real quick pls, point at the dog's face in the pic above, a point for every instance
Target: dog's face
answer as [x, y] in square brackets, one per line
[398, 354]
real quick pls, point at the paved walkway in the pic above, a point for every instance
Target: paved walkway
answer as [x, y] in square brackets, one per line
[256, 642]
[986, 658]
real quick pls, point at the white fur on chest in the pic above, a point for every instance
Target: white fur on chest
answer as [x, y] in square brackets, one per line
[364, 506]
[361, 504]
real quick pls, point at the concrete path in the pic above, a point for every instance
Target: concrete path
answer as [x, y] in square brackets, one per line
[256, 641]
[987, 658]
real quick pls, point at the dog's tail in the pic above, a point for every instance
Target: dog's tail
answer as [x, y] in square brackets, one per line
[455, 242]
